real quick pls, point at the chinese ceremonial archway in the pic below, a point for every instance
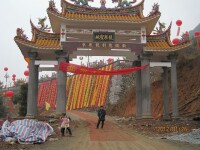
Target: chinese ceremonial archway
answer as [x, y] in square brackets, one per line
[77, 69]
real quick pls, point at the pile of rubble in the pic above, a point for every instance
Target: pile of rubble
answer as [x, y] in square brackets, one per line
[192, 137]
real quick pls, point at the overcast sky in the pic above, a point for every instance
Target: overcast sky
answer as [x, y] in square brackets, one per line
[17, 13]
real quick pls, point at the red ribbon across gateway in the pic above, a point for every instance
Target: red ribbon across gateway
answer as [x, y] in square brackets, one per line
[67, 67]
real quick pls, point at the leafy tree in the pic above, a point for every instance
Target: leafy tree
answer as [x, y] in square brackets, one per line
[21, 99]
[2, 108]
[20, 82]
[1, 84]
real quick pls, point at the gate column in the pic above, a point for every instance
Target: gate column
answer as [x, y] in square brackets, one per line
[61, 84]
[146, 92]
[32, 86]
[166, 94]
[138, 91]
[175, 112]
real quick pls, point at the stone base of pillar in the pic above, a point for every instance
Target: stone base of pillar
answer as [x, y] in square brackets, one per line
[147, 116]
[28, 116]
[175, 118]
[166, 118]
[138, 118]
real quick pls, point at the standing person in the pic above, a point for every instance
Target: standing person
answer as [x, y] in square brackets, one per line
[65, 124]
[101, 116]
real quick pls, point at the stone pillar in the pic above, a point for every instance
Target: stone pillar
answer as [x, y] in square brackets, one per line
[175, 112]
[61, 85]
[166, 94]
[32, 87]
[138, 91]
[146, 92]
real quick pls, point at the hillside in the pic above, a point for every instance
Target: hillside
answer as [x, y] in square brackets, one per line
[188, 76]
[197, 28]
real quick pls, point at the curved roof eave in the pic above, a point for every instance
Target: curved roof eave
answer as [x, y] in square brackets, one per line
[42, 33]
[31, 45]
[173, 48]
[65, 3]
[56, 19]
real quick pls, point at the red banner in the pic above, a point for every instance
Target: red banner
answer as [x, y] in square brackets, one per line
[67, 67]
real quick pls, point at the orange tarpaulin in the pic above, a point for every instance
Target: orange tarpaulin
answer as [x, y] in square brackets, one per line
[67, 67]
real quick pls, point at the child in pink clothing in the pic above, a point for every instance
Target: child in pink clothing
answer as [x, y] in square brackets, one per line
[65, 124]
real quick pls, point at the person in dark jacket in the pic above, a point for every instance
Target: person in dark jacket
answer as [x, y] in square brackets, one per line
[101, 116]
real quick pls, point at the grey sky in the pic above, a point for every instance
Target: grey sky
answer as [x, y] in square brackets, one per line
[17, 13]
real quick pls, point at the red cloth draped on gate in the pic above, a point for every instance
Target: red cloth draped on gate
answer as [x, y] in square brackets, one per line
[67, 67]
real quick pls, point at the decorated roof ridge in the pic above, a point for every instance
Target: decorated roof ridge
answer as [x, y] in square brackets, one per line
[103, 17]
[136, 10]
[95, 8]
[162, 43]
[40, 39]
[39, 43]
[37, 33]
[160, 34]
[165, 36]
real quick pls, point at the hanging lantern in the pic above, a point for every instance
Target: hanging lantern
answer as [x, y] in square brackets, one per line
[26, 73]
[196, 34]
[178, 23]
[110, 60]
[5, 69]
[187, 33]
[13, 75]
[197, 37]
[13, 78]
[175, 41]
[9, 94]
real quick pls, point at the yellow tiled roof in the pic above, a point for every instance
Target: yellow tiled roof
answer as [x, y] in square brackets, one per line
[40, 43]
[50, 43]
[132, 13]
[160, 44]
[164, 46]
[71, 15]
[41, 39]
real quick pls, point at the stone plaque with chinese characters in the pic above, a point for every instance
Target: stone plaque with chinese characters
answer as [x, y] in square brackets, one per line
[103, 36]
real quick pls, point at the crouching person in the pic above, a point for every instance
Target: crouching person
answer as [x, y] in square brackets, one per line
[65, 125]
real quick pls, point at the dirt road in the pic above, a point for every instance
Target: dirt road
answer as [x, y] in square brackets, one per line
[112, 137]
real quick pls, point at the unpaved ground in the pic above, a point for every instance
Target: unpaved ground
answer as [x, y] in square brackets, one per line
[112, 137]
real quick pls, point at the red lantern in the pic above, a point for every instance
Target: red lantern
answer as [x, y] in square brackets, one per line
[175, 41]
[187, 33]
[13, 78]
[110, 60]
[178, 23]
[9, 94]
[5, 69]
[196, 34]
[26, 73]
[13, 75]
